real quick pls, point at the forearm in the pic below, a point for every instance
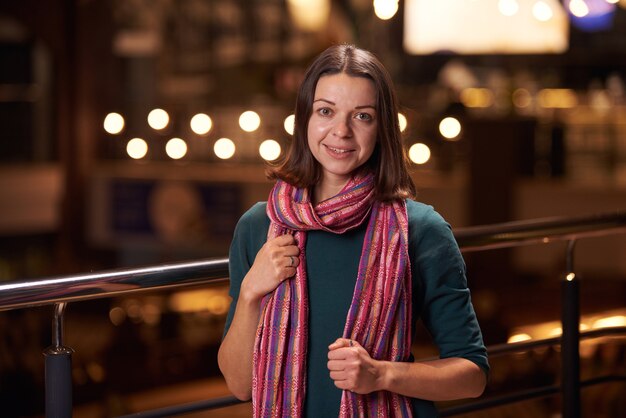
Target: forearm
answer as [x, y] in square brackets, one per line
[437, 380]
[235, 354]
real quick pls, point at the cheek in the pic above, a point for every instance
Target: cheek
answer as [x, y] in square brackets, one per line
[317, 130]
[369, 143]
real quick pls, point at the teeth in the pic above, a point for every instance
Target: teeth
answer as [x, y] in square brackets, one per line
[338, 151]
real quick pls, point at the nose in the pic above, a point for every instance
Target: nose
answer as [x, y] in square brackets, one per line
[342, 128]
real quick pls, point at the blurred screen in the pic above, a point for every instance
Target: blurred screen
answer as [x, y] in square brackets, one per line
[485, 27]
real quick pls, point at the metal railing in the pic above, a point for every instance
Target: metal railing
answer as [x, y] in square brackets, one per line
[59, 291]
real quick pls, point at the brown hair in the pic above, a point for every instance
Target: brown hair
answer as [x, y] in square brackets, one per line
[388, 162]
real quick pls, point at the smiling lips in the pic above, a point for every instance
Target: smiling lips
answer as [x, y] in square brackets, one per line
[337, 151]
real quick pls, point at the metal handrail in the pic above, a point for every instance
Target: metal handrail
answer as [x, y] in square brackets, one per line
[30, 293]
[539, 231]
[522, 395]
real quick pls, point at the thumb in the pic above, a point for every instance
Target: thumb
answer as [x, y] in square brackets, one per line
[342, 342]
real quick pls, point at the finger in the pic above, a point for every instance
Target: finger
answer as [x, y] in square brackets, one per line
[283, 240]
[342, 353]
[291, 250]
[336, 365]
[291, 261]
[287, 273]
[338, 375]
[339, 343]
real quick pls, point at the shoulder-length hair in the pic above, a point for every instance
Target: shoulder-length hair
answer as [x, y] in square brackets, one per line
[388, 162]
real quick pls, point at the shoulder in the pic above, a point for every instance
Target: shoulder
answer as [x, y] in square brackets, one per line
[422, 216]
[254, 221]
[428, 230]
[249, 236]
[256, 213]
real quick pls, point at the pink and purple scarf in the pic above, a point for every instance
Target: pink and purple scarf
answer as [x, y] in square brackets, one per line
[379, 317]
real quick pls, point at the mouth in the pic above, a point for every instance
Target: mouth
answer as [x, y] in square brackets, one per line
[337, 151]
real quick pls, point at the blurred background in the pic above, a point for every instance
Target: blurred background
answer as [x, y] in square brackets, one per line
[135, 132]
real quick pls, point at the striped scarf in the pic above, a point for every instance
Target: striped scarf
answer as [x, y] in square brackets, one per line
[379, 317]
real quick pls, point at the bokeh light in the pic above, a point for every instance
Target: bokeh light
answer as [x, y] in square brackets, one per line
[176, 148]
[289, 124]
[385, 9]
[201, 123]
[450, 128]
[137, 148]
[611, 321]
[516, 338]
[269, 150]
[224, 148]
[117, 316]
[578, 8]
[522, 98]
[508, 7]
[158, 119]
[557, 98]
[402, 122]
[419, 153]
[249, 121]
[542, 11]
[113, 123]
[477, 97]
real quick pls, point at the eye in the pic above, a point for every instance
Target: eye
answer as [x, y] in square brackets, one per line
[324, 111]
[366, 117]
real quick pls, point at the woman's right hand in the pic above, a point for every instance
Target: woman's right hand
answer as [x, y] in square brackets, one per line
[275, 262]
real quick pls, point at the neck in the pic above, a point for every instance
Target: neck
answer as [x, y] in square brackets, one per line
[327, 188]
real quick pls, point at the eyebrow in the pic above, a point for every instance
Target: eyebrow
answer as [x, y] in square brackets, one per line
[333, 103]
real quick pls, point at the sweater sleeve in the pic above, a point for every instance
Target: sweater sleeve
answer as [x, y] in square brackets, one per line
[249, 236]
[442, 297]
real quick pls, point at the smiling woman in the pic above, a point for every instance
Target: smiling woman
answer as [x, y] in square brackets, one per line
[341, 238]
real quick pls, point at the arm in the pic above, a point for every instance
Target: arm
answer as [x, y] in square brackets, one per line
[440, 292]
[353, 369]
[271, 266]
[235, 353]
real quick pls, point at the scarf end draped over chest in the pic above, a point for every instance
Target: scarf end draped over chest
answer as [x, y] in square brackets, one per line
[379, 317]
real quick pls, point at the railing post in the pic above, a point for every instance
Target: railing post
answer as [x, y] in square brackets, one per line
[570, 339]
[58, 370]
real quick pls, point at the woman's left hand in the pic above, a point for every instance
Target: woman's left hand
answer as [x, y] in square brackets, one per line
[352, 368]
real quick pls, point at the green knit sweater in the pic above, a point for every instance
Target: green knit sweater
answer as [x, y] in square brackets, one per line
[441, 298]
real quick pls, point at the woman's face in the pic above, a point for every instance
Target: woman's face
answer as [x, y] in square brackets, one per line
[343, 125]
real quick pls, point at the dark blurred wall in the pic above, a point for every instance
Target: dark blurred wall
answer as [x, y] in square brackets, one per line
[77, 39]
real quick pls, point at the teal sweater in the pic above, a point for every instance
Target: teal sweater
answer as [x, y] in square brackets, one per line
[441, 298]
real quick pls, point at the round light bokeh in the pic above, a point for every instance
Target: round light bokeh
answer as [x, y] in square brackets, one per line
[176, 148]
[249, 121]
[402, 122]
[113, 123]
[289, 124]
[158, 119]
[578, 8]
[419, 153]
[269, 150]
[542, 11]
[522, 98]
[450, 128]
[137, 148]
[201, 124]
[385, 9]
[224, 148]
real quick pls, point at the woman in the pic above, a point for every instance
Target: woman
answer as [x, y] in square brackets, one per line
[329, 276]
